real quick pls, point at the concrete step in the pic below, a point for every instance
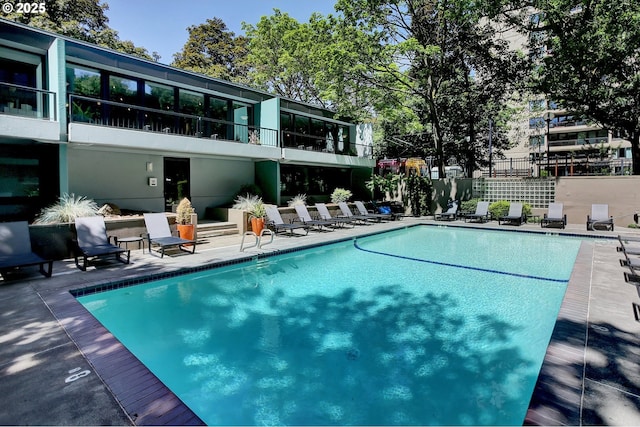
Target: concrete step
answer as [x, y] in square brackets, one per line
[213, 229]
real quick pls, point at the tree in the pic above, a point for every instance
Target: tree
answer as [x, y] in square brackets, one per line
[213, 50]
[592, 62]
[442, 59]
[84, 20]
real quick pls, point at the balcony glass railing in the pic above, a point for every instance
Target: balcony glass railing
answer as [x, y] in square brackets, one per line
[83, 109]
[579, 141]
[16, 100]
[324, 144]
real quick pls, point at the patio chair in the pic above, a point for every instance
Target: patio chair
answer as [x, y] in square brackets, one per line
[324, 213]
[554, 216]
[15, 249]
[346, 213]
[362, 210]
[514, 216]
[599, 217]
[450, 214]
[93, 242]
[274, 220]
[481, 214]
[159, 234]
[305, 218]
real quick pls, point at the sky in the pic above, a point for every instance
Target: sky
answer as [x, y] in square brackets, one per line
[161, 25]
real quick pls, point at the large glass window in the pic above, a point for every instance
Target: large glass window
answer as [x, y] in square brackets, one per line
[158, 97]
[85, 82]
[191, 103]
[243, 118]
[310, 180]
[123, 91]
[13, 99]
[286, 125]
[218, 110]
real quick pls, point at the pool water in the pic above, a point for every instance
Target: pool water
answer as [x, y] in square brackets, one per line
[421, 326]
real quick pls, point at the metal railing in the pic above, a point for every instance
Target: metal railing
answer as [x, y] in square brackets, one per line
[558, 165]
[325, 144]
[24, 101]
[99, 112]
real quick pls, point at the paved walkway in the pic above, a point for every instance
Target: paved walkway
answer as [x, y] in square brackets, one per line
[54, 370]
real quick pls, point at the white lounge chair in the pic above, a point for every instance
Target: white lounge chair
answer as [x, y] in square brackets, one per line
[599, 217]
[324, 213]
[93, 241]
[159, 234]
[305, 218]
[554, 216]
[450, 214]
[481, 214]
[515, 215]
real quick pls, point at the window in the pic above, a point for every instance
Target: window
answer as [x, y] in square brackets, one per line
[158, 97]
[286, 124]
[84, 82]
[242, 117]
[123, 91]
[191, 103]
[537, 123]
[15, 100]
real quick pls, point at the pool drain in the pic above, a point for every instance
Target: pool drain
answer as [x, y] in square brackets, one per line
[353, 354]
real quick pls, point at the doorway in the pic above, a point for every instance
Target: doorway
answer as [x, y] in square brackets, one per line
[176, 181]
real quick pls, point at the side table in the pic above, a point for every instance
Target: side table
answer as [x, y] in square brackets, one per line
[127, 240]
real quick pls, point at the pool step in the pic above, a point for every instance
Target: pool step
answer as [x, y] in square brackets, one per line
[215, 229]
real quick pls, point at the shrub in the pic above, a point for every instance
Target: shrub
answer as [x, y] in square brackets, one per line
[300, 199]
[249, 189]
[340, 195]
[469, 205]
[246, 202]
[67, 209]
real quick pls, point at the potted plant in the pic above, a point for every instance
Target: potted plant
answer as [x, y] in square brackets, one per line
[185, 228]
[257, 214]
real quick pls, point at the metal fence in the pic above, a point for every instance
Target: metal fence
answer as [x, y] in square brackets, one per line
[557, 165]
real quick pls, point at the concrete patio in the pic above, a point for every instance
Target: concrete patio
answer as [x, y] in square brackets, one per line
[58, 367]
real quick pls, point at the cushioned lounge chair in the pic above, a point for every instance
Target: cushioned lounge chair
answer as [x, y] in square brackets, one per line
[554, 216]
[481, 214]
[275, 221]
[15, 249]
[346, 213]
[305, 217]
[362, 210]
[93, 241]
[159, 234]
[450, 214]
[599, 217]
[324, 213]
[514, 216]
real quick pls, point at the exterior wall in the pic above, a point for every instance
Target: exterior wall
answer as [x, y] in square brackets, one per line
[619, 192]
[122, 178]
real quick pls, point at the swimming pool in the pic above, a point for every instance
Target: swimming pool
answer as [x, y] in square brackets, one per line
[418, 326]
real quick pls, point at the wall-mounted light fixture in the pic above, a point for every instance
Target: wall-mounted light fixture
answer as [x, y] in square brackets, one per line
[149, 167]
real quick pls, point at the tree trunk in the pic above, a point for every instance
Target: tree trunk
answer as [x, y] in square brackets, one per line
[635, 151]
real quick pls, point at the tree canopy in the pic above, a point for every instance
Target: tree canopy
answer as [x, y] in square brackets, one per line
[590, 61]
[213, 50]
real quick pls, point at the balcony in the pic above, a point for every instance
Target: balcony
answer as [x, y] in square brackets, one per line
[98, 122]
[20, 106]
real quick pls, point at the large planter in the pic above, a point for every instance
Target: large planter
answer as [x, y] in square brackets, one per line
[257, 225]
[186, 231]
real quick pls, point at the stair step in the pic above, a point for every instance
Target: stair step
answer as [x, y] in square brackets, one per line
[213, 229]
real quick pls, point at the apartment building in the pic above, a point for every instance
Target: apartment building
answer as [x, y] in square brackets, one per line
[77, 118]
[550, 141]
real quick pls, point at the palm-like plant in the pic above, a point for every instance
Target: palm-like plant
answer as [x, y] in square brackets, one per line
[300, 199]
[67, 209]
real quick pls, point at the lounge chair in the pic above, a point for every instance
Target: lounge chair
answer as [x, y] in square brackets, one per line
[275, 221]
[481, 214]
[554, 216]
[93, 241]
[450, 214]
[515, 215]
[362, 210]
[599, 216]
[15, 249]
[305, 218]
[159, 234]
[324, 213]
[346, 213]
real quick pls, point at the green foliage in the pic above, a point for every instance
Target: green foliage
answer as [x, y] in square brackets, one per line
[249, 189]
[593, 71]
[385, 184]
[184, 211]
[469, 205]
[67, 209]
[418, 196]
[213, 50]
[340, 195]
[246, 202]
[83, 20]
